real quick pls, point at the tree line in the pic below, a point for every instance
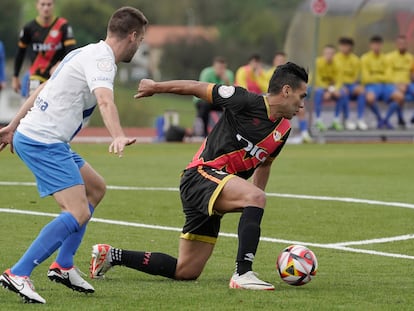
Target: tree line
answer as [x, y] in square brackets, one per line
[245, 26]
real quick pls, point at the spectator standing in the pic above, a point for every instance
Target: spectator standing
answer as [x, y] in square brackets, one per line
[48, 39]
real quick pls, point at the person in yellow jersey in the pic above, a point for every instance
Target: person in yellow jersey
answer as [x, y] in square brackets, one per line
[410, 91]
[327, 87]
[349, 68]
[252, 76]
[374, 77]
[280, 58]
[400, 63]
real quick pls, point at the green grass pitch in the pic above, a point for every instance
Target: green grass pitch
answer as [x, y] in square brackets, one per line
[347, 279]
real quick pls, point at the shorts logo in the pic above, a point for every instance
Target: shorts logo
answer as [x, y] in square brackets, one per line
[226, 91]
[277, 135]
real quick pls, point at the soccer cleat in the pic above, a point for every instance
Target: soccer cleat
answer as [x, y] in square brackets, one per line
[70, 278]
[306, 138]
[22, 285]
[100, 262]
[249, 280]
[350, 126]
[361, 125]
[336, 125]
[402, 124]
[320, 126]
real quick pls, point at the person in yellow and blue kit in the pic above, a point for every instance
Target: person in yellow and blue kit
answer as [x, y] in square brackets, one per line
[327, 87]
[400, 63]
[374, 77]
[349, 67]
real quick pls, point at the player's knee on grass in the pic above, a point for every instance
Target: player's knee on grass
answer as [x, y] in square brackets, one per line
[187, 273]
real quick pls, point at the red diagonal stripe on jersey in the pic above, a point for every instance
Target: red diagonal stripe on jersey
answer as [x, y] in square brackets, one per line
[240, 160]
[42, 59]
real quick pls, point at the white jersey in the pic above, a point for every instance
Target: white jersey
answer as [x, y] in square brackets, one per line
[67, 101]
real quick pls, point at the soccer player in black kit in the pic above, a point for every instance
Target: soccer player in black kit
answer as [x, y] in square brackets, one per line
[48, 39]
[248, 137]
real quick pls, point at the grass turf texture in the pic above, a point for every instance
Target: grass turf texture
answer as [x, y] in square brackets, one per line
[345, 281]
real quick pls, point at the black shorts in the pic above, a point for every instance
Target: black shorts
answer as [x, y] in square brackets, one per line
[199, 188]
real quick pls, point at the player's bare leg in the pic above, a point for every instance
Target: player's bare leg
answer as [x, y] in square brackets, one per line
[192, 258]
[94, 185]
[241, 195]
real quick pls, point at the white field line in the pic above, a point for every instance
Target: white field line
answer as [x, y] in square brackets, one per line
[271, 194]
[338, 246]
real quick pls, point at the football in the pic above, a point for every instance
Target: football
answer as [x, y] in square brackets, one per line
[297, 265]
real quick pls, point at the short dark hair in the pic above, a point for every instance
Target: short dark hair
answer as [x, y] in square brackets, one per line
[287, 74]
[125, 21]
[329, 46]
[346, 41]
[280, 53]
[220, 59]
[255, 57]
[376, 39]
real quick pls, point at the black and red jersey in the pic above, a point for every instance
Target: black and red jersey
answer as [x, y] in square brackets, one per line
[245, 136]
[46, 45]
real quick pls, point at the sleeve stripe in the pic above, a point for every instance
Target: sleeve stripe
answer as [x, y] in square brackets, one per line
[69, 42]
[210, 92]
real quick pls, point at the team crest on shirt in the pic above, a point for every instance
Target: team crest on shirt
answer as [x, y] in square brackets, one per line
[277, 135]
[54, 33]
[226, 91]
[105, 65]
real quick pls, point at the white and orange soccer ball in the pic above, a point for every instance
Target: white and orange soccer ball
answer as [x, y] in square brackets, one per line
[297, 265]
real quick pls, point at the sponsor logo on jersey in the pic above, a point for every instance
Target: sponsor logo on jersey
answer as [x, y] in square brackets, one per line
[254, 150]
[226, 91]
[46, 47]
[277, 135]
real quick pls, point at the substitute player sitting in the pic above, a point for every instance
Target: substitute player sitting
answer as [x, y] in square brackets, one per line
[40, 134]
[374, 77]
[327, 87]
[248, 137]
[400, 63]
[349, 68]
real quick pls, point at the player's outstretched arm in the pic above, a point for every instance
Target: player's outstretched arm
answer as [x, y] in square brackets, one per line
[199, 89]
[110, 116]
[7, 132]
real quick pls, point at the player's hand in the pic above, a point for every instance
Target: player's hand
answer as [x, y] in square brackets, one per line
[118, 144]
[6, 138]
[16, 84]
[145, 88]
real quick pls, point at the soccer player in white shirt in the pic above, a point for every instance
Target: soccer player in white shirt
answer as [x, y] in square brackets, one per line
[40, 134]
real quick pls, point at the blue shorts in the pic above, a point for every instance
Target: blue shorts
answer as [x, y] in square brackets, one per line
[382, 91]
[55, 166]
[409, 95]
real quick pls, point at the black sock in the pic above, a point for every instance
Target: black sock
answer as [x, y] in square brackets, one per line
[151, 263]
[249, 235]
